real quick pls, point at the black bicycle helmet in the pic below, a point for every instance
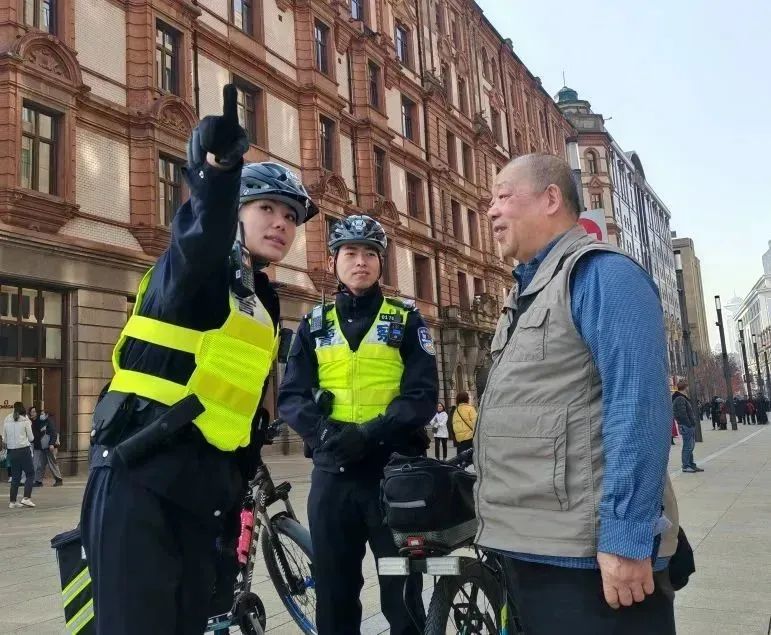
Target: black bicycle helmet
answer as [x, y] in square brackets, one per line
[274, 181]
[358, 230]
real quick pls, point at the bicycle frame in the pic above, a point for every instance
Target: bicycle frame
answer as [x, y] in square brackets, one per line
[261, 495]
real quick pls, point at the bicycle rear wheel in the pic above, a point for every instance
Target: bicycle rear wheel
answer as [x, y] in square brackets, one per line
[469, 603]
[289, 559]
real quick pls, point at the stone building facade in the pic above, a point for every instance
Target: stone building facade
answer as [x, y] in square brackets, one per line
[401, 110]
[638, 220]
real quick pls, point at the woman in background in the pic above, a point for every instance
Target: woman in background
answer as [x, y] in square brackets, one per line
[17, 437]
[441, 434]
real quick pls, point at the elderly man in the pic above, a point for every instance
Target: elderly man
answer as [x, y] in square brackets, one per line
[573, 433]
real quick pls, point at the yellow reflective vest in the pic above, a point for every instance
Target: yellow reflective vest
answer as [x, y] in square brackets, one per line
[363, 382]
[231, 365]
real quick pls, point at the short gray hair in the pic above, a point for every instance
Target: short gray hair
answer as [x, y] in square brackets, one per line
[544, 170]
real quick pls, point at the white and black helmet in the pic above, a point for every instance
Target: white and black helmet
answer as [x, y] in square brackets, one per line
[274, 181]
[357, 230]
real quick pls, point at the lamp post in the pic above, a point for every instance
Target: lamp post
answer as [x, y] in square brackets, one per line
[768, 372]
[761, 387]
[726, 372]
[747, 378]
[688, 351]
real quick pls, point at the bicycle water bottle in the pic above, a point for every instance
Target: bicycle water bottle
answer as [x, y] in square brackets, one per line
[245, 539]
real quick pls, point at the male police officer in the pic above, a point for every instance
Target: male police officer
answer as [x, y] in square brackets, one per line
[198, 349]
[376, 359]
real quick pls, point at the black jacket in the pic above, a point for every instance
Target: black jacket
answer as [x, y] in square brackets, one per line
[682, 410]
[401, 427]
[189, 287]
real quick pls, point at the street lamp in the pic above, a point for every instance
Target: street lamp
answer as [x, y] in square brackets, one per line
[761, 387]
[687, 351]
[726, 372]
[744, 359]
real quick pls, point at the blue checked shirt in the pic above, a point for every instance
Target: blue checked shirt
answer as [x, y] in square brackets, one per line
[617, 312]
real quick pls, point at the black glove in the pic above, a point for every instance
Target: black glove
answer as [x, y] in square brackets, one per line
[350, 444]
[221, 135]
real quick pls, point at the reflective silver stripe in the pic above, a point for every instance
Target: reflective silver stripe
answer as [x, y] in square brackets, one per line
[408, 504]
[78, 583]
[81, 618]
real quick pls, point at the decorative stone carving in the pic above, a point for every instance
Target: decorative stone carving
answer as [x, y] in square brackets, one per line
[385, 209]
[482, 130]
[404, 12]
[50, 54]
[175, 113]
[329, 185]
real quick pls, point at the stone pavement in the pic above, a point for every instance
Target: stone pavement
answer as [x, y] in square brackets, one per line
[726, 511]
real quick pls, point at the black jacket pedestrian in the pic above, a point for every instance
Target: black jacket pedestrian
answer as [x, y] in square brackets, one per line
[402, 427]
[682, 410]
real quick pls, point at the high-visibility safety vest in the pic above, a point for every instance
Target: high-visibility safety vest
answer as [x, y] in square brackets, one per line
[231, 365]
[363, 382]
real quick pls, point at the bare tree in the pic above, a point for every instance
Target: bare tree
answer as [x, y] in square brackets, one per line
[709, 377]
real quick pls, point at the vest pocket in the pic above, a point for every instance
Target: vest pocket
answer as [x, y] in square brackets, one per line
[524, 455]
[528, 344]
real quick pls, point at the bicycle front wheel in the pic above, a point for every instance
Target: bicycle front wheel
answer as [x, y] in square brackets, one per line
[469, 603]
[289, 559]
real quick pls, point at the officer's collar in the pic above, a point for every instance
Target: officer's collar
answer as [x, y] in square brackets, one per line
[365, 304]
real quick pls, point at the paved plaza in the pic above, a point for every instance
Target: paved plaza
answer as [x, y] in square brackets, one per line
[726, 511]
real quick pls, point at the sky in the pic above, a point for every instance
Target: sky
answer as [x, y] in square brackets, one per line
[686, 84]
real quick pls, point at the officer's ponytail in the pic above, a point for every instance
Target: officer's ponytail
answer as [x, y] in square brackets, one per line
[18, 410]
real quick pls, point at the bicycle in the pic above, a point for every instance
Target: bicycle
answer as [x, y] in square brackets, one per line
[286, 547]
[470, 595]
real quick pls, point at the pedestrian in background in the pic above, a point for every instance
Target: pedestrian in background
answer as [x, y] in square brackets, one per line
[715, 411]
[686, 422]
[762, 411]
[751, 412]
[441, 434]
[45, 445]
[464, 422]
[17, 437]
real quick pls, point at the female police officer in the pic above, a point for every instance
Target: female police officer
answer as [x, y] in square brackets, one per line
[203, 333]
[375, 358]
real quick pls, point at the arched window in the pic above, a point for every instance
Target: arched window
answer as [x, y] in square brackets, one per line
[591, 162]
[494, 74]
[485, 64]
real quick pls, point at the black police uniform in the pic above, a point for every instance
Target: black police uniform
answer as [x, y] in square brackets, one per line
[150, 531]
[343, 506]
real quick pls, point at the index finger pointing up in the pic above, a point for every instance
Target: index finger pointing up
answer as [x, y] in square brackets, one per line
[229, 103]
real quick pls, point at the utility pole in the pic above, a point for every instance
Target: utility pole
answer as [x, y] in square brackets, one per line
[726, 371]
[747, 378]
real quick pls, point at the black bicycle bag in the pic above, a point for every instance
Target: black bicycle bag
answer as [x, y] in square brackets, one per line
[428, 498]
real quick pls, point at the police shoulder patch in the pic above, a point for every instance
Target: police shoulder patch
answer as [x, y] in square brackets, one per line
[426, 341]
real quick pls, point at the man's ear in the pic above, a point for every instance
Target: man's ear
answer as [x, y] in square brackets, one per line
[555, 201]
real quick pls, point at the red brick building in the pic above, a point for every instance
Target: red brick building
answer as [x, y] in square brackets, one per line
[404, 111]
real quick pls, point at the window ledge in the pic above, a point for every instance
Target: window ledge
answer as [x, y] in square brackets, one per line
[153, 240]
[35, 210]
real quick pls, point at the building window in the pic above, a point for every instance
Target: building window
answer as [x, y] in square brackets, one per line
[38, 150]
[414, 196]
[455, 30]
[596, 201]
[409, 118]
[389, 276]
[452, 151]
[495, 122]
[439, 16]
[468, 162]
[457, 222]
[447, 82]
[402, 40]
[166, 49]
[242, 15]
[357, 9]
[423, 278]
[463, 299]
[462, 96]
[32, 322]
[591, 162]
[380, 171]
[169, 188]
[479, 287]
[327, 127]
[473, 228]
[485, 64]
[321, 40]
[39, 14]
[374, 85]
[494, 74]
[248, 100]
